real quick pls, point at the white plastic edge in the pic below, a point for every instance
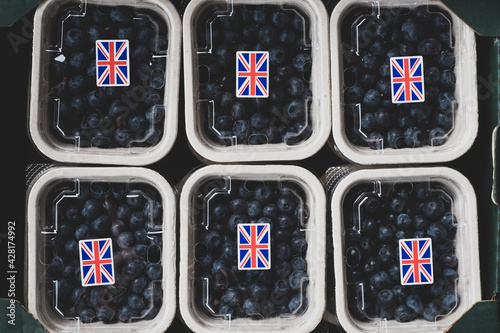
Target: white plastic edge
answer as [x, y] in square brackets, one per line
[469, 284]
[130, 156]
[316, 241]
[268, 152]
[167, 311]
[466, 123]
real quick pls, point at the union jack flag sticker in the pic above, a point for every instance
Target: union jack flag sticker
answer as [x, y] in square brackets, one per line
[415, 258]
[252, 74]
[407, 79]
[96, 262]
[254, 246]
[112, 63]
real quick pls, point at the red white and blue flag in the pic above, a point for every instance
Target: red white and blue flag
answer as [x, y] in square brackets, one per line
[112, 63]
[254, 246]
[252, 74]
[407, 79]
[415, 258]
[96, 262]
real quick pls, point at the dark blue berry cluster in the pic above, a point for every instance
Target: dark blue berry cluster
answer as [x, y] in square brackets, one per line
[127, 216]
[399, 211]
[371, 118]
[283, 115]
[109, 117]
[258, 293]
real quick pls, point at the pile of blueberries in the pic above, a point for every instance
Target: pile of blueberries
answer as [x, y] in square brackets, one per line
[235, 293]
[109, 117]
[371, 118]
[399, 211]
[127, 216]
[283, 115]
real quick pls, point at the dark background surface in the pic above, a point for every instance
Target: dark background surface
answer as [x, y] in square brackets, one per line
[19, 152]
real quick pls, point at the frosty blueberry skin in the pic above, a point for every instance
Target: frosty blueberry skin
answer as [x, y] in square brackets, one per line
[418, 31]
[257, 121]
[94, 214]
[266, 293]
[375, 268]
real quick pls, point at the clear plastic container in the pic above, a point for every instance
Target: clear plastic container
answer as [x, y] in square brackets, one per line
[381, 217]
[403, 82]
[105, 80]
[256, 78]
[220, 288]
[73, 212]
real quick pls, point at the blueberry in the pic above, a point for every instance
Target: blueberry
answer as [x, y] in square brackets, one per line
[268, 35]
[101, 225]
[368, 122]
[449, 221]
[413, 137]
[404, 220]
[125, 240]
[407, 48]
[431, 311]
[78, 61]
[380, 280]
[82, 232]
[429, 47]
[126, 313]
[212, 240]
[154, 271]
[137, 219]
[267, 308]
[251, 306]
[436, 289]
[375, 140]
[385, 296]
[449, 260]
[412, 30]
[450, 301]
[354, 94]
[420, 111]
[235, 219]
[120, 15]
[449, 275]
[447, 79]
[385, 254]
[370, 62]
[302, 62]
[397, 204]
[299, 245]
[413, 302]
[295, 86]
[135, 266]
[371, 98]
[73, 39]
[76, 83]
[297, 279]
[298, 304]
[105, 313]
[446, 59]
[86, 315]
[402, 313]
[433, 207]
[420, 222]
[446, 102]
[136, 301]
[385, 233]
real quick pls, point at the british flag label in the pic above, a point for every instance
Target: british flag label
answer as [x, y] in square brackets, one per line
[112, 63]
[96, 262]
[415, 259]
[252, 74]
[407, 79]
[254, 246]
